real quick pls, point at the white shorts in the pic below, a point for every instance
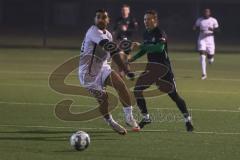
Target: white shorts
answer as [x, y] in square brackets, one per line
[95, 82]
[207, 44]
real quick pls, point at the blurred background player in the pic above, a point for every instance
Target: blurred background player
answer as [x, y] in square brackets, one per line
[158, 69]
[95, 73]
[207, 26]
[125, 25]
[124, 29]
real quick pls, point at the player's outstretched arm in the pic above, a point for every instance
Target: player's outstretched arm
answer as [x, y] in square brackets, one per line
[144, 48]
[155, 48]
[137, 55]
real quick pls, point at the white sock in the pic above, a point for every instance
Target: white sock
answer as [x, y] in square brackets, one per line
[146, 116]
[211, 60]
[110, 119]
[203, 63]
[128, 111]
[188, 119]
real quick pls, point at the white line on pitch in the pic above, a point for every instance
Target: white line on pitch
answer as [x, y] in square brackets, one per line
[187, 91]
[40, 104]
[185, 59]
[211, 79]
[208, 92]
[106, 129]
[23, 72]
[196, 132]
[24, 85]
[194, 70]
[49, 127]
[77, 105]
[202, 110]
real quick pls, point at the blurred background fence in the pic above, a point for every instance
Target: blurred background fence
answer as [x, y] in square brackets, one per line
[62, 23]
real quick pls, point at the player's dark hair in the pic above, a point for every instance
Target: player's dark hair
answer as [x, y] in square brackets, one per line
[125, 5]
[101, 11]
[152, 12]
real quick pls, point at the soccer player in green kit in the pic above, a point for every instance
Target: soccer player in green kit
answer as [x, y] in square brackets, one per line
[158, 69]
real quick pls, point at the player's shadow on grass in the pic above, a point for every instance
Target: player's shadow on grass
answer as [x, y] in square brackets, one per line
[38, 132]
[54, 135]
[30, 138]
[95, 133]
[67, 151]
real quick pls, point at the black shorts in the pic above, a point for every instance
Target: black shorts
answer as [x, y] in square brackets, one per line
[169, 77]
[164, 81]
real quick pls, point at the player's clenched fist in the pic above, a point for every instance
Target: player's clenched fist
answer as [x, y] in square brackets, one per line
[135, 46]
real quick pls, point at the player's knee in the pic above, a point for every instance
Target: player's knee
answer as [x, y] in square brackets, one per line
[202, 52]
[103, 98]
[165, 87]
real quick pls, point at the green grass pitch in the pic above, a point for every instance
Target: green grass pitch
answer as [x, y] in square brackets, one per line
[30, 130]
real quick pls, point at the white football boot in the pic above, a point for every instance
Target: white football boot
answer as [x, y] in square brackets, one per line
[204, 76]
[130, 121]
[117, 127]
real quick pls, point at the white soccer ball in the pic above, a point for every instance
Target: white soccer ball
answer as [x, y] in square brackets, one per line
[80, 140]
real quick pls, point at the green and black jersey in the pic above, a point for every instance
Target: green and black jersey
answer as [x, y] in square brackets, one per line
[155, 46]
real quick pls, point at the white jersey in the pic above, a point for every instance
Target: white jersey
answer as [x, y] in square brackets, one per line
[206, 39]
[92, 56]
[204, 25]
[93, 67]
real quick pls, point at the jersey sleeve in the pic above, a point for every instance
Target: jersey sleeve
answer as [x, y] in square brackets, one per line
[138, 54]
[197, 23]
[153, 48]
[215, 24]
[145, 48]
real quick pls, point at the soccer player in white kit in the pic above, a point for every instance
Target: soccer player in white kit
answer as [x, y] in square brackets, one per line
[95, 73]
[206, 25]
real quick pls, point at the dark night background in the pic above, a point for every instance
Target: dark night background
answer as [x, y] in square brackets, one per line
[62, 23]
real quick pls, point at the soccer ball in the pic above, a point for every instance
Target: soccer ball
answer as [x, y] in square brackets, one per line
[80, 140]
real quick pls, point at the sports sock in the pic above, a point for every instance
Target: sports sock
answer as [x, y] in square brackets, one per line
[146, 116]
[128, 111]
[108, 118]
[203, 63]
[141, 103]
[211, 60]
[187, 118]
[180, 103]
